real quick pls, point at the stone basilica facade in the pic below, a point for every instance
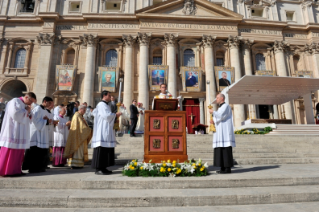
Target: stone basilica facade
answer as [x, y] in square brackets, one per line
[248, 35]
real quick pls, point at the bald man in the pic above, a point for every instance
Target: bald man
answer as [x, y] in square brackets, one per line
[224, 137]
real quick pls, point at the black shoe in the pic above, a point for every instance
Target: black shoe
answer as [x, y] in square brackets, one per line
[76, 167]
[22, 174]
[47, 167]
[101, 173]
[34, 171]
[107, 171]
[132, 136]
[227, 171]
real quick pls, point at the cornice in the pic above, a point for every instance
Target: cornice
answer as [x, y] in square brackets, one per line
[50, 15]
[108, 16]
[250, 22]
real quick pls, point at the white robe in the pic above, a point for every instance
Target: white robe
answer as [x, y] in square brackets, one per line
[124, 119]
[50, 128]
[61, 132]
[224, 135]
[103, 133]
[56, 111]
[15, 133]
[140, 122]
[39, 133]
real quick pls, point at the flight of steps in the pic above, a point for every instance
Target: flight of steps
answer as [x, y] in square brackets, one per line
[251, 149]
[295, 129]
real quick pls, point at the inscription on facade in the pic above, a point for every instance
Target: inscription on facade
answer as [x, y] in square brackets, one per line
[71, 27]
[261, 31]
[113, 26]
[315, 34]
[187, 26]
[293, 35]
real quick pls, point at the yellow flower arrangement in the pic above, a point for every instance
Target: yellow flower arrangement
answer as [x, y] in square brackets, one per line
[174, 165]
[169, 169]
[164, 164]
[162, 169]
[174, 161]
[178, 171]
[141, 167]
[135, 163]
[168, 161]
[132, 168]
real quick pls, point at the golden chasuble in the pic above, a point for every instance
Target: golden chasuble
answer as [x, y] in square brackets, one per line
[79, 134]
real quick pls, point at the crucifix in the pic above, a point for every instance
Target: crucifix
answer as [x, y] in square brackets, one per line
[192, 116]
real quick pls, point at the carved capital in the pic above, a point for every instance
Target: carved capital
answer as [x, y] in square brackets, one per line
[170, 39]
[306, 3]
[208, 41]
[233, 42]
[280, 46]
[129, 40]
[144, 38]
[247, 43]
[89, 40]
[45, 39]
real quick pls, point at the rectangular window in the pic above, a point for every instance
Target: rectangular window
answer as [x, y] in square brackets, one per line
[157, 60]
[290, 16]
[113, 6]
[75, 7]
[27, 6]
[257, 12]
[220, 62]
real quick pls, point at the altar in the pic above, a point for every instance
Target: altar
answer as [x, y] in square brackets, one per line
[165, 132]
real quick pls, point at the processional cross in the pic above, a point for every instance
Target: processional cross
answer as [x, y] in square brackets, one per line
[192, 116]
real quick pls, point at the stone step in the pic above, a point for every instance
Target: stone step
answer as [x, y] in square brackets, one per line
[272, 161]
[291, 207]
[76, 198]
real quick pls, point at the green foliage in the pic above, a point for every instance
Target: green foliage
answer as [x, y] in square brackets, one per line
[165, 169]
[254, 131]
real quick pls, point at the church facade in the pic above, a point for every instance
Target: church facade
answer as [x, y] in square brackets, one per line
[249, 36]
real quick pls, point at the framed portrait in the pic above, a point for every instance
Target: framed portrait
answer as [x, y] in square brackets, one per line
[108, 78]
[304, 74]
[65, 77]
[265, 73]
[192, 78]
[225, 76]
[157, 75]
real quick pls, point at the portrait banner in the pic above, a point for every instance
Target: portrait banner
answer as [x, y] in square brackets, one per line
[265, 73]
[65, 77]
[191, 78]
[108, 77]
[304, 74]
[225, 76]
[157, 75]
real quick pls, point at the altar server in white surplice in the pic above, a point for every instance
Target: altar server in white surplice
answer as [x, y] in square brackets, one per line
[224, 137]
[103, 140]
[36, 157]
[61, 132]
[15, 134]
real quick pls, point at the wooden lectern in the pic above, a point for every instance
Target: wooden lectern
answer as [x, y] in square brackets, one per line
[165, 132]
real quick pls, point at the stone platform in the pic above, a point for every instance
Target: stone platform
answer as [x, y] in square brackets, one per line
[251, 149]
[247, 186]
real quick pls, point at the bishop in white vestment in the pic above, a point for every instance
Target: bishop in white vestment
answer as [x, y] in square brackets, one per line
[61, 132]
[36, 157]
[224, 137]
[15, 134]
[103, 140]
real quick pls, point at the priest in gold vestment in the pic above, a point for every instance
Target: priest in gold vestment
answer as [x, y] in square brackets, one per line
[80, 134]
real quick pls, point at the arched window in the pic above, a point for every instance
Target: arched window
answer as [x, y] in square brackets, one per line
[220, 58]
[111, 58]
[189, 58]
[157, 57]
[70, 57]
[20, 58]
[260, 62]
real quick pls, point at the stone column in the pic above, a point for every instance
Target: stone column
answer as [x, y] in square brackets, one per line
[308, 108]
[313, 51]
[248, 70]
[276, 114]
[10, 49]
[281, 68]
[143, 88]
[208, 42]
[201, 110]
[233, 44]
[45, 42]
[170, 40]
[129, 41]
[88, 87]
